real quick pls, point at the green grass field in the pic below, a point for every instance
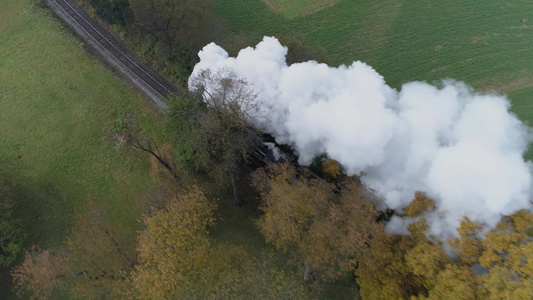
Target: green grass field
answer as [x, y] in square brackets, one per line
[487, 44]
[58, 107]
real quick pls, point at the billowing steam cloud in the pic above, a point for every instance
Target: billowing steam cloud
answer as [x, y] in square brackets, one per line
[463, 149]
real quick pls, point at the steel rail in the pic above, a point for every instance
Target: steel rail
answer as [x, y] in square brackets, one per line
[120, 53]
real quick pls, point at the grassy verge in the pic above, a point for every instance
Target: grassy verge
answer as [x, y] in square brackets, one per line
[60, 110]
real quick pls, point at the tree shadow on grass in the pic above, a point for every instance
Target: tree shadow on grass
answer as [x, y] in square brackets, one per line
[44, 213]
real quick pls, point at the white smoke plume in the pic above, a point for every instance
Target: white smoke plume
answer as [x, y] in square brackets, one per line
[276, 152]
[465, 150]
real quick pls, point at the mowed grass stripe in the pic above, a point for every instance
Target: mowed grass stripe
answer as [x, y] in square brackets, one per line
[293, 8]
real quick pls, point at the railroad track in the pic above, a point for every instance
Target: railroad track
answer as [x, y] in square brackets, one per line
[114, 52]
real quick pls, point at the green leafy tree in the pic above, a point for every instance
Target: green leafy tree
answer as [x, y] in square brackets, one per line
[178, 28]
[115, 12]
[215, 135]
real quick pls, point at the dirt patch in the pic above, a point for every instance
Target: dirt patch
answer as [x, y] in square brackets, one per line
[522, 25]
[314, 10]
[479, 40]
[525, 81]
[438, 69]
[298, 8]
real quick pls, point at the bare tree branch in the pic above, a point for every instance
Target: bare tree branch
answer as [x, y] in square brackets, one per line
[151, 147]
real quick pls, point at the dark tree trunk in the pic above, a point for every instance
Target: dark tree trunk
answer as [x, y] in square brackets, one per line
[169, 164]
[236, 198]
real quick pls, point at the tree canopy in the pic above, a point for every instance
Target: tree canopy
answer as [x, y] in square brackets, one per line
[177, 29]
[178, 260]
[215, 135]
[304, 215]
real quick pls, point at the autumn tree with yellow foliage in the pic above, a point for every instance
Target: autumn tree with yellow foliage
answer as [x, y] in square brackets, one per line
[93, 260]
[303, 215]
[331, 169]
[415, 266]
[178, 260]
[331, 233]
[173, 247]
[508, 254]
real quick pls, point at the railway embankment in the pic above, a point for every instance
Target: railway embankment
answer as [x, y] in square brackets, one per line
[109, 47]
